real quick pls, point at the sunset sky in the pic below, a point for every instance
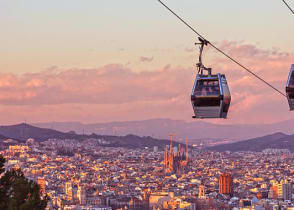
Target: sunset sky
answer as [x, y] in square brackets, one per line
[112, 60]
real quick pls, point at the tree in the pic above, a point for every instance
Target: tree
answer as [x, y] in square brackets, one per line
[17, 192]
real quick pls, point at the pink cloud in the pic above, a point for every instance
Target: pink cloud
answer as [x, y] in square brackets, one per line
[111, 84]
[115, 92]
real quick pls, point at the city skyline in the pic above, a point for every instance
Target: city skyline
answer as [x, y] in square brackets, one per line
[93, 176]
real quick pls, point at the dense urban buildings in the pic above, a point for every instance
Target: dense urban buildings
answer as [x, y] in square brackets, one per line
[83, 175]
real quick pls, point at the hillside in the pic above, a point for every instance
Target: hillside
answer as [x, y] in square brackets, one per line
[25, 131]
[161, 128]
[277, 141]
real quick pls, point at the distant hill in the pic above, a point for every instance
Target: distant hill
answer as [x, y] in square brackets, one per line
[5, 141]
[161, 128]
[24, 131]
[277, 141]
[3, 138]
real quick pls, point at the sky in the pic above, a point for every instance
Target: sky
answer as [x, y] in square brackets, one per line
[108, 60]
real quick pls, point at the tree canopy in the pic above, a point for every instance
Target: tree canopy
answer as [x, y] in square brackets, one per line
[17, 192]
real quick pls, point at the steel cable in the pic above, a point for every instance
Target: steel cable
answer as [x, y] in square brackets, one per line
[222, 52]
[288, 6]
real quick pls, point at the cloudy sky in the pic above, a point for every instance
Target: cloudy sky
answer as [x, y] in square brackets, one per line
[113, 60]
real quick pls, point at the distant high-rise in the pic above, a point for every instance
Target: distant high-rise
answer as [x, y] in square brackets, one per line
[82, 194]
[273, 193]
[42, 183]
[225, 184]
[68, 190]
[287, 191]
[281, 189]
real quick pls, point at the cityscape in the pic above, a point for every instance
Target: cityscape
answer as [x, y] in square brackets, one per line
[84, 175]
[146, 105]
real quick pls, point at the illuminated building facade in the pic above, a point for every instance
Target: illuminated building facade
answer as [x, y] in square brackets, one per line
[82, 194]
[280, 190]
[42, 183]
[201, 193]
[225, 182]
[68, 190]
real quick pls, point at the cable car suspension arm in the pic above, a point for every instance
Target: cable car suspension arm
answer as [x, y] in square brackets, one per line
[200, 65]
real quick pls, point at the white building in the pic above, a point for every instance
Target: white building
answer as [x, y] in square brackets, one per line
[287, 191]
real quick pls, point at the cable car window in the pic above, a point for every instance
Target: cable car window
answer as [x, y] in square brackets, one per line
[291, 96]
[291, 82]
[204, 102]
[207, 88]
[290, 93]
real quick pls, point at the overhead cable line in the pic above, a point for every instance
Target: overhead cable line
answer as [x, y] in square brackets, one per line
[288, 6]
[222, 52]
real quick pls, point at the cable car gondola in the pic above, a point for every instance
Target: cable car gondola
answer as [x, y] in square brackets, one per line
[210, 95]
[290, 88]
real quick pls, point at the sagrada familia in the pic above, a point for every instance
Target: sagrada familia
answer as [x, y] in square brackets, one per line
[175, 162]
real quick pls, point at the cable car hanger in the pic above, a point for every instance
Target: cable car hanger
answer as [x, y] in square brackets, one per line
[200, 65]
[222, 52]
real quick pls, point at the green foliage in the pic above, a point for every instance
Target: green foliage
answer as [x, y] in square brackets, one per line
[17, 192]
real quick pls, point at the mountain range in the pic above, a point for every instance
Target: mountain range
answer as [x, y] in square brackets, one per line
[22, 132]
[276, 140]
[161, 128]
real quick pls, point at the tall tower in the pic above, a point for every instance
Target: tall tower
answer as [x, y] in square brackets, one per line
[171, 154]
[287, 191]
[225, 184]
[187, 151]
[166, 157]
[179, 150]
[171, 143]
